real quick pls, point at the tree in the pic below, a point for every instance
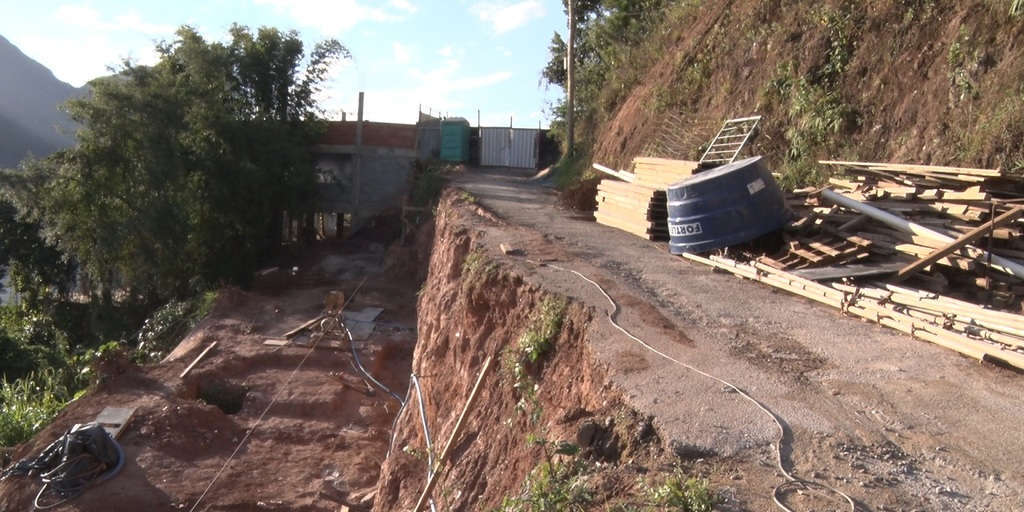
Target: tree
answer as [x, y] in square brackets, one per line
[183, 169]
[38, 269]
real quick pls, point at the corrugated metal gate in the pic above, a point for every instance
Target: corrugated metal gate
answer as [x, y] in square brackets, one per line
[509, 147]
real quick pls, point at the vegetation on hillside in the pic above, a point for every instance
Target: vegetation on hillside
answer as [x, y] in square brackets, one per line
[819, 72]
[179, 182]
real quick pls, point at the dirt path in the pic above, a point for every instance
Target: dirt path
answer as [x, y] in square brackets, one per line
[897, 423]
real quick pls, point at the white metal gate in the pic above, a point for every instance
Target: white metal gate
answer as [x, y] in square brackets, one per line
[509, 147]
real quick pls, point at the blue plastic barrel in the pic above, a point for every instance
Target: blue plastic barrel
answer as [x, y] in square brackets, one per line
[727, 205]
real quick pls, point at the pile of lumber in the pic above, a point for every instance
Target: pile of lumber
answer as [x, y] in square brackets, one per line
[632, 207]
[936, 252]
[636, 202]
[947, 237]
[662, 172]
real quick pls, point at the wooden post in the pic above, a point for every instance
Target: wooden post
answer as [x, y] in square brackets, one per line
[432, 481]
[964, 239]
[358, 158]
[569, 82]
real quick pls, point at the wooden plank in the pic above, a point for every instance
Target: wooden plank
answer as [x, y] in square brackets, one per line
[967, 171]
[197, 359]
[622, 175]
[303, 327]
[848, 270]
[955, 245]
[115, 419]
[443, 458]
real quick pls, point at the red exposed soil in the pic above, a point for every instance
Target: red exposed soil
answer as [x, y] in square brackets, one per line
[322, 442]
[465, 318]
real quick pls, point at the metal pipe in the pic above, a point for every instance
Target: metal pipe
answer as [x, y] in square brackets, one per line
[997, 262]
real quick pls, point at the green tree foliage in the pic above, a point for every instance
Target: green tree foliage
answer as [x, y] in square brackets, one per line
[37, 269]
[607, 31]
[183, 169]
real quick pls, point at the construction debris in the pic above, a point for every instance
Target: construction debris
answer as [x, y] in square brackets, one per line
[115, 419]
[953, 232]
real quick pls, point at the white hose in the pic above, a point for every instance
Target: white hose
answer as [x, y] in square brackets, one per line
[790, 479]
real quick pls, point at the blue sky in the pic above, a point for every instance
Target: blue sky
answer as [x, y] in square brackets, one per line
[453, 56]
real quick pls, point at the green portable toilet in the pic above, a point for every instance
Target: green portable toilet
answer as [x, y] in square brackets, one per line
[455, 140]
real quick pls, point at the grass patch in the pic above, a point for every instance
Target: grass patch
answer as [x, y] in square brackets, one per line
[538, 339]
[534, 345]
[428, 180]
[570, 170]
[30, 403]
[476, 268]
[552, 487]
[677, 492]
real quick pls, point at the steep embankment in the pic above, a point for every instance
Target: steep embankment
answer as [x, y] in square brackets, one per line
[931, 81]
[470, 308]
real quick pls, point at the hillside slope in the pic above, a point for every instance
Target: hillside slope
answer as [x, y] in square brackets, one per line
[929, 81]
[30, 120]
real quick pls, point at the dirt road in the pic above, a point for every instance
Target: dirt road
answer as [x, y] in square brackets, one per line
[897, 423]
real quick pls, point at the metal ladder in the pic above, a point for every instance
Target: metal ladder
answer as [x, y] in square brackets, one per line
[731, 139]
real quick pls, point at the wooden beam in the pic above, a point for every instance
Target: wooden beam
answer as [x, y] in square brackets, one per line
[432, 481]
[622, 175]
[197, 359]
[916, 168]
[955, 245]
[302, 327]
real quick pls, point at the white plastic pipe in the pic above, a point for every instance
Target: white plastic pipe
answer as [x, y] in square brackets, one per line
[998, 262]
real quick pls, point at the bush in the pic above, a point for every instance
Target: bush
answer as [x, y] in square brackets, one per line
[428, 181]
[162, 331]
[552, 487]
[30, 403]
[683, 494]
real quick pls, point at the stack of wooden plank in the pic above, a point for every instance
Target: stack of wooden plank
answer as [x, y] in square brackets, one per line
[632, 207]
[662, 172]
[640, 206]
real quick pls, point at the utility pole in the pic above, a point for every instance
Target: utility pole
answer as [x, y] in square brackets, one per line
[569, 80]
[357, 175]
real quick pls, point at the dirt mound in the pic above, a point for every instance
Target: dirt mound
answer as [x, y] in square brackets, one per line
[318, 446]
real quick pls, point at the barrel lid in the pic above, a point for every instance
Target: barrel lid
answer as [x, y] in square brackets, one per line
[716, 172]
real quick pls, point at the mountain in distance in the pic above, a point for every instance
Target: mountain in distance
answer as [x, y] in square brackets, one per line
[30, 96]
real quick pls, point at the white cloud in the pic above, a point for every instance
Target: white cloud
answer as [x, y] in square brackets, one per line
[470, 83]
[403, 5]
[445, 51]
[332, 17]
[401, 51]
[85, 43]
[505, 16]
[441, 88]
[84, 16]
